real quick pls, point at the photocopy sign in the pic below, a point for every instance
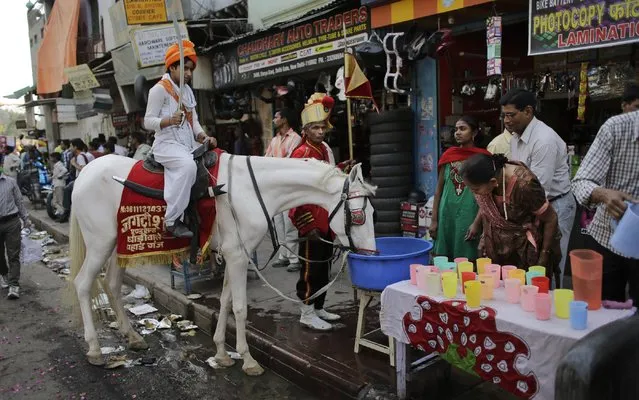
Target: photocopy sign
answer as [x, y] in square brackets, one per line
[81, 77]
[565, 25]
[307, 46]
[150, 43]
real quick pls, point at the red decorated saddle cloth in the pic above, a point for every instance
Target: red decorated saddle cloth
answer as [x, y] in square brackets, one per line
[142, 238]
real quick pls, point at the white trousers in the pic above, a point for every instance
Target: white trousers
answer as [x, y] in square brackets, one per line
[179, 176]
[287, 234]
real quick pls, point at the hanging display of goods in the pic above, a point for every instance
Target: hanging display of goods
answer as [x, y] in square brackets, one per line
[583, 92]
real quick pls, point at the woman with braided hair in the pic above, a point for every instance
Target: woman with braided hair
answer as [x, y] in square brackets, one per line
[519, 226]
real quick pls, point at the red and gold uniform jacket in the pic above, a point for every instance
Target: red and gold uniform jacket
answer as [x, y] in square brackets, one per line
[308, 216]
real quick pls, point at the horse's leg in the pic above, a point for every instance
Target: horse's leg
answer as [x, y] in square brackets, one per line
[115, 274]
[219, 338]
[83, 283]
[236, 269]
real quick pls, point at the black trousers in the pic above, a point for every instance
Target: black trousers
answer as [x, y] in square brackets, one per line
[66, 199]
[617, 272]
[314, 275]
[11, 240]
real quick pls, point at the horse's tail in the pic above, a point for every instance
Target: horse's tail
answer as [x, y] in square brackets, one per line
[77, 253]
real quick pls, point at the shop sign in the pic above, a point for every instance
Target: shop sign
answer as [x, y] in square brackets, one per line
[81, 77]
[120, 120]
[150, 43]
[308, 46]
[145, 11]
[566, 25]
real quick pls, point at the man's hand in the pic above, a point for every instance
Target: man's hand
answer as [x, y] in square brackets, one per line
[176, 118]
[614, 201]
[210, 141]
[314, 234]
[346, 166]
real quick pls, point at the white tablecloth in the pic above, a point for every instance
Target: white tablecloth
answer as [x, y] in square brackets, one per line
[538, 345]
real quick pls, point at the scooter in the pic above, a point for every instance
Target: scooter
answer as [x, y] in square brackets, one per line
[35, 182]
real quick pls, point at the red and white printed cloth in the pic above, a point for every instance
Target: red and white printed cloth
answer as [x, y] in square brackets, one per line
[500, 342]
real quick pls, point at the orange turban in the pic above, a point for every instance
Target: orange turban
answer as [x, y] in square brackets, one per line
[173, 53]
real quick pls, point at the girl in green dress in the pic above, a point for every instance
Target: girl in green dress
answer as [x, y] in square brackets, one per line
[454, 207]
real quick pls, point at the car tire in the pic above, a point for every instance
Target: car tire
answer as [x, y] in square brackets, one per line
[400, 114]
[396, 191]
[391, 148]
[391, 171]
[390, 159]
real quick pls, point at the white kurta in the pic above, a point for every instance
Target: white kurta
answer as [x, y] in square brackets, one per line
[172, 147]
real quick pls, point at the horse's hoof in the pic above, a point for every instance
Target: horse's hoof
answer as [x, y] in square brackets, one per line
[225, 361]
[95, 359]
[255, 370]
[137, 345]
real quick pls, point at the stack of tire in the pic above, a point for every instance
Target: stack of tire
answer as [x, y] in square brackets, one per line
[391, 157]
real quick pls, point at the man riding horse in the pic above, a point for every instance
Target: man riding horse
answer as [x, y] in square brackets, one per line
[177, 133]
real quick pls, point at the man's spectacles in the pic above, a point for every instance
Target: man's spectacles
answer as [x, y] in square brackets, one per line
[509, 115]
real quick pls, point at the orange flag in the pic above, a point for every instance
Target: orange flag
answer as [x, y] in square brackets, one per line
[355, 82]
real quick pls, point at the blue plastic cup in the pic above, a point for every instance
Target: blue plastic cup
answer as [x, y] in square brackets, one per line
[578, 315]
[530, 275]
[448, 266]
[440, 262]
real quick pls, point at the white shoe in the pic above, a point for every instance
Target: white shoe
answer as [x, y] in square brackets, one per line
[14, 293]
[326, 316]
[4, 283]
[310, 319]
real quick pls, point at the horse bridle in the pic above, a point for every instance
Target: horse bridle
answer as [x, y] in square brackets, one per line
[356, 216]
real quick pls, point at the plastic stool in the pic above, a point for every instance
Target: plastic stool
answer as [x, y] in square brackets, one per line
[365, 298]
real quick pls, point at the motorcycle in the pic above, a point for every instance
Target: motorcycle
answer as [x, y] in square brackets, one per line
[35, 182]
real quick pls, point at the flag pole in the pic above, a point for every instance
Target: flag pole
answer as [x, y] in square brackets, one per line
[348, 102]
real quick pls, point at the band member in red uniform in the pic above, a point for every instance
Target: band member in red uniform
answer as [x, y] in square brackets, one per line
[311, 221]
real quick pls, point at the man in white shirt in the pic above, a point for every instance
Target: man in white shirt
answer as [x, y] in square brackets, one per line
[11, 162]
[282, 145]
[539, 147]
[177, 133]
[139, 146]
[118, 150]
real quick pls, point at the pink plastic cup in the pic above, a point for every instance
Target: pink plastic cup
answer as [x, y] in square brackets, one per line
[460, 259]
[505, 270]
[513, 291]
[543, 302]
[495, 271]
[413, 273]
[528, 293]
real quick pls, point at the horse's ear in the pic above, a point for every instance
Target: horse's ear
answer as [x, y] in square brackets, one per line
[356, 172]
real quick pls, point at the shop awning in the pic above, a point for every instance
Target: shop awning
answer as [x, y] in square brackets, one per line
[58, 48]
[407, 10]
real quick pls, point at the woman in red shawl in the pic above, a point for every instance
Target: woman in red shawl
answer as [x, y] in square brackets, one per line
[454, 208]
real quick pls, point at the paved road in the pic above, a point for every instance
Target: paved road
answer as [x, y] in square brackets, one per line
[42, 357]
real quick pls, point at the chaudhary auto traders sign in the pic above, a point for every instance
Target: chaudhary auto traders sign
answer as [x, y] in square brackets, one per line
[564, 25]
[307, 46]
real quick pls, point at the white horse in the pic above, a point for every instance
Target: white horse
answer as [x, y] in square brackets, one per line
[240, 226]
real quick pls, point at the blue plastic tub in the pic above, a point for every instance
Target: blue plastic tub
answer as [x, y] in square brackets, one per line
[392, 265]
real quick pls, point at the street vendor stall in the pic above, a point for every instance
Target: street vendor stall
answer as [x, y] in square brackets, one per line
[498, 341]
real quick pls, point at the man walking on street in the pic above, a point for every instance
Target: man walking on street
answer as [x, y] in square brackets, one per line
[11, 163]
[539, 147]
[177, 133]
[608, 177]
[12, 210]
[282, 146]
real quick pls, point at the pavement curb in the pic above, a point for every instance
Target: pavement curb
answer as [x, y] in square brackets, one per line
[306, 372]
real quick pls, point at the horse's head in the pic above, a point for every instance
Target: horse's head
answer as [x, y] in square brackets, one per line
[351, 217]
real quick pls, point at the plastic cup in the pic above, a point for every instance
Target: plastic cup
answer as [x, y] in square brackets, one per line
[481, 263]
[433, 286]
[439, 261]
[513, 291]
[505, 270]
[530, 275]
[420, 276]
[519, 274]
[448, 266]
[467, 276]
[495, 271]
[542, 282]
[563, 297]
[578, 315]
[464, 266]
[487, 286]
[543, 303]
[538, 268]
[459, 260]
[586, 276]
[528, 293]
[413, 273]
[473, 293]
[449, 284]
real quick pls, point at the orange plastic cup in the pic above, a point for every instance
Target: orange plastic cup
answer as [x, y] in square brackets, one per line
[587, 267]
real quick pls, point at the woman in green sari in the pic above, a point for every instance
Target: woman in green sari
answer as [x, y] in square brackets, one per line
[454, 207]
